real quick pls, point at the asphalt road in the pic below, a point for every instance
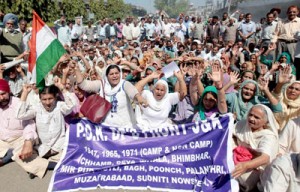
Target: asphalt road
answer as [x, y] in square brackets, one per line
[14, 179]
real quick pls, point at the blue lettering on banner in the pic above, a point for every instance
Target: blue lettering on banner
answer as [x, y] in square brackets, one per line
[189, 157]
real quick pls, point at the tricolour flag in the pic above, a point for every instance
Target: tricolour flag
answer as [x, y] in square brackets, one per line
[45, 50]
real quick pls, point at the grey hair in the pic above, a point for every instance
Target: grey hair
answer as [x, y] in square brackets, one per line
[264, 111]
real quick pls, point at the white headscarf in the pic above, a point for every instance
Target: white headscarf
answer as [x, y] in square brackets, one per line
[291, 103]
[244, 132]
[108, 89]
[153, 104]
[157, 104]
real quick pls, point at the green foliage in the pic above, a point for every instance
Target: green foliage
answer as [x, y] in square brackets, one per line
[109, 9]
[172, 7]
[5, 5]
[73, 8]
[50, 10]
[117, 8]
[46, 9]
[98, 8]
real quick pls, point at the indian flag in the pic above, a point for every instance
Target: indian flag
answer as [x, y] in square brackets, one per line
[45, 50]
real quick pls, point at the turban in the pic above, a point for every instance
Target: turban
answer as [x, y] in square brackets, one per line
[11, 17]
[4, 86]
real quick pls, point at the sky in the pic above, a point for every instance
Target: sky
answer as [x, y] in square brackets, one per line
[149, 4]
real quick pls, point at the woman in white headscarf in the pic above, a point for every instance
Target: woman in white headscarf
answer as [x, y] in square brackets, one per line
[160, 101]
[258, 136]
[117, 91]
[288, 94]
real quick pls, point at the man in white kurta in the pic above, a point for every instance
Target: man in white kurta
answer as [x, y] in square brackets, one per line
[180, 30]
[17, 136]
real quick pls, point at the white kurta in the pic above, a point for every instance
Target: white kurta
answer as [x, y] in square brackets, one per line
[180, 31]
[282, 175]
[151, 118]
[50, 125]
[289, 138]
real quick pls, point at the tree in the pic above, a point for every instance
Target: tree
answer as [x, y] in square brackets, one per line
[73, 8]
[117, 8]
[172, 7]
[46, 9]
[98, 8]
[110, 8]
[5, 6]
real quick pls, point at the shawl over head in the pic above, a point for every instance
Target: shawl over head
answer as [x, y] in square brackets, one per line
[291, 103]
[242, 108]
[208, 89]
[245, 134]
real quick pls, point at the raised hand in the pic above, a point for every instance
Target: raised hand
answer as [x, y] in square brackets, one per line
[261, 50]
[19, 69]
[199, 71]
[263, 84]
[77, 54]
[178, 74]
[2, 68]
[216, 74]
[66, 70]
[63, 58]
[27, 88]
[155, 75]
[284, 75]
[183, 69]
[234, 77]
[58, 83]
[275, 66]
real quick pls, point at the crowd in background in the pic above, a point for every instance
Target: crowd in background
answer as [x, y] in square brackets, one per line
[226, 65]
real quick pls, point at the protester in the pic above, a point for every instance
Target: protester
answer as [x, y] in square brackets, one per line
[160, 101]
[49, 117]
[282, 174]
[288, 94]
[287, 34]
[11, 40]
[247, 96]
[15, 77]
[63, 31]
[257, 134]
[226, 69]
[212, 100]
[118, 92]
[77, 30]
[17, 137]
[289, 137]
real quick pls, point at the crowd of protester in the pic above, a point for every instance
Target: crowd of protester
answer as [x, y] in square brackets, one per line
[227, 65]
